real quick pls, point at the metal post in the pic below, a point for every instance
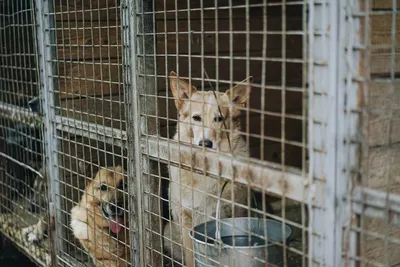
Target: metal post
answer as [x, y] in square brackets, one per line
[145, 72]
[128, 16]
[323, 49]
[46, 53]
[332, 129]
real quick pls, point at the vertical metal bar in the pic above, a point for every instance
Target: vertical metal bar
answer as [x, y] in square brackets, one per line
[140, 25]
[323, 67]
[349, 91]
[334, 65]
[46, 53]
[146, 92]
[129, 30]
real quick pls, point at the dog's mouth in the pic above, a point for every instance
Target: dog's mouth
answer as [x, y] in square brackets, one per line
[115, 213]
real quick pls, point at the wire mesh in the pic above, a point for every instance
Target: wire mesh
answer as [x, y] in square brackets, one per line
[182, 112]
[375, 224]
[196, 133]
[91, 201]
[23, 205]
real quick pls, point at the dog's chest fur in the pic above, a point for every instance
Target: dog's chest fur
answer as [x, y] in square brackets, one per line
[199, 193]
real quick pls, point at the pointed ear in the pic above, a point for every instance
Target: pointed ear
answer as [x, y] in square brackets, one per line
[240, 93]
[180, 89]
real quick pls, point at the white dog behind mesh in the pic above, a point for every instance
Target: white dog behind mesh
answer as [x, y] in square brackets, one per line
[39, 204]
[210, 119]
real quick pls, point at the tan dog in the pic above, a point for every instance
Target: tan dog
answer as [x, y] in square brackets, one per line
[193, 197]
[100, 219]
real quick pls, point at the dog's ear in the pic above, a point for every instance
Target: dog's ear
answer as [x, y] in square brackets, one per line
[240, 92]
[180, 89]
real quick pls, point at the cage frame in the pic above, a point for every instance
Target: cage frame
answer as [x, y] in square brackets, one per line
[335, 186]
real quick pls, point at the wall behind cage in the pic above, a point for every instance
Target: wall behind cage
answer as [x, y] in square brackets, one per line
[213, 40]
[89, 61]
[19, 82]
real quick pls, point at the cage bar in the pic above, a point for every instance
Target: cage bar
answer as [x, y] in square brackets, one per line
[129, 24]
[45, 56]
[318, 133]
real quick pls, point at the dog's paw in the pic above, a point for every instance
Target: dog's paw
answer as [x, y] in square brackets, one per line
[26, 230]
[33, 233]
[79, 229]
[48, 260]
[32, 237]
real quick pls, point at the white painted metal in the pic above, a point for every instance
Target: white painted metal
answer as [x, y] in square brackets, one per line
[323, 67]
[374, 203]
[260, 176]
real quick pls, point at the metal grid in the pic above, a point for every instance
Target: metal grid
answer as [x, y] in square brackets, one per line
[353, 74]
[87, 121]
[375, 223]
[215, 45]
[317, 149]
[23, 176]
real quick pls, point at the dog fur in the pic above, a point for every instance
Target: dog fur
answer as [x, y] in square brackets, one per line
[39, 204]
[100, 220]
[193, 197]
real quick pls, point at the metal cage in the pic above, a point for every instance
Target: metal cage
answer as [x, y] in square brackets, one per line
[132, 135]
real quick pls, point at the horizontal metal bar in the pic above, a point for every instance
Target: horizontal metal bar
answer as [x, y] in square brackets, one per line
[68, 261]
[91, 130]
[376, 204]
[69, 125]
[260, 175]
[23, 165]
[20, 114]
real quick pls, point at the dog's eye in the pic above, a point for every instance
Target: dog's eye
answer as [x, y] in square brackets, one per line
[218, 119]
[196, 118]
[103, 187]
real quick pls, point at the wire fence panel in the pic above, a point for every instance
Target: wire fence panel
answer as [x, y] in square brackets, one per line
[24, 216]
[376, 201]
[200, 133]
[89, 133]
[197, 135]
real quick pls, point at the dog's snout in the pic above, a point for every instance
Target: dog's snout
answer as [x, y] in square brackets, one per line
[115, 209]
[206, 143]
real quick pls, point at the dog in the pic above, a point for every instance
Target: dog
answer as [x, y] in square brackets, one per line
[209, 119]
[22, 142]
[100, 220]
[39, 205]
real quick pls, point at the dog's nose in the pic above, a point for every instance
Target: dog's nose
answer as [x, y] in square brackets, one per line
[206, 143]
[116, 209]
